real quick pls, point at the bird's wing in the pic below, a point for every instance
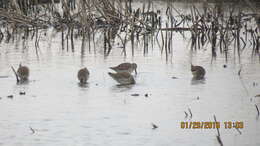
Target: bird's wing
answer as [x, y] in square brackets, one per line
[124, 66]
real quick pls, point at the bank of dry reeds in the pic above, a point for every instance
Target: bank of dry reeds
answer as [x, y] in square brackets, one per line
[118, 19]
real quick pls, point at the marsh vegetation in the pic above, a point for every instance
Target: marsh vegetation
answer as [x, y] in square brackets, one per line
[223, 26]
[57, 38]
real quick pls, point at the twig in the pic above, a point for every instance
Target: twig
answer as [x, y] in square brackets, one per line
[190, 112]
[17, 78]
[257, 110]
[239, 72]
[217, 128]
[33, 131]
[154, 126]
[186, 114]
[218, 136]
[219, 140]
[242, 82]
[238, 131]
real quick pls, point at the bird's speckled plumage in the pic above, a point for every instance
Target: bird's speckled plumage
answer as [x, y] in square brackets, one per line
[23, 72]
[125, 67]
[83, 75]
[198, 72]
[123, 78]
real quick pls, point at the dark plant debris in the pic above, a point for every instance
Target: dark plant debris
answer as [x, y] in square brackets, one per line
[33, 131]
[258, 95]
[218, 136]
[190, 112]
[186, 114]
[238, 131]
[154, 126]
[10, 96]
[257, 110]
[135, 94]
[22, 93]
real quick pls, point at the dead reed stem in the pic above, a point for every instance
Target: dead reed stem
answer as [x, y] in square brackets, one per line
[17, 78]
[218, 136]
[257, 110]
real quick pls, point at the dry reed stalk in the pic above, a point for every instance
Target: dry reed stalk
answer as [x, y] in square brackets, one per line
[17, 78]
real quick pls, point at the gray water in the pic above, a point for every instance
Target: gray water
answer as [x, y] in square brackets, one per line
[62, 113]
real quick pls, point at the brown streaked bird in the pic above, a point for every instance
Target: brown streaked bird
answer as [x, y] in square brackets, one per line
[23, 72]
[123, 78]
[198, 72]
[125, 67]
[83, 75]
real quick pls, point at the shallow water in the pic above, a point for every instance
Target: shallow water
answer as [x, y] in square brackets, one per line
[61, 112]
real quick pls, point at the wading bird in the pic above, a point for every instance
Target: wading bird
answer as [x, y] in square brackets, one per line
[198, 72]
[23, 72]
[123, 78]
[125, 67]
[83, 75]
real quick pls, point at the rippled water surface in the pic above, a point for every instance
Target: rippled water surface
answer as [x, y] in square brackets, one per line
[62, 113]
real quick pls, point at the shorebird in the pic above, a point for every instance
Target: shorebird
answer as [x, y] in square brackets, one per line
[198, 72]
[23, 72]
[125, 67]
[123, 78]
[83, 75]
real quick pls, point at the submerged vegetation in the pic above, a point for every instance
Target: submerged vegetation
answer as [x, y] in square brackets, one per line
[119, 21]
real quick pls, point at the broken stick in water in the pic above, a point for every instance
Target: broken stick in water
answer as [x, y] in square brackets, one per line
[190, 112]
[33, 131]
[239, 72]
[238, 131]
[186, 114]
[17, 79]
[218, 136]
[257, 110]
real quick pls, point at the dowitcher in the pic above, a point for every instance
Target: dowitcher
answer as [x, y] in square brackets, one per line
[125, 67]
[198, 72]
[23, 72]
[83, 75]
[123, 78]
